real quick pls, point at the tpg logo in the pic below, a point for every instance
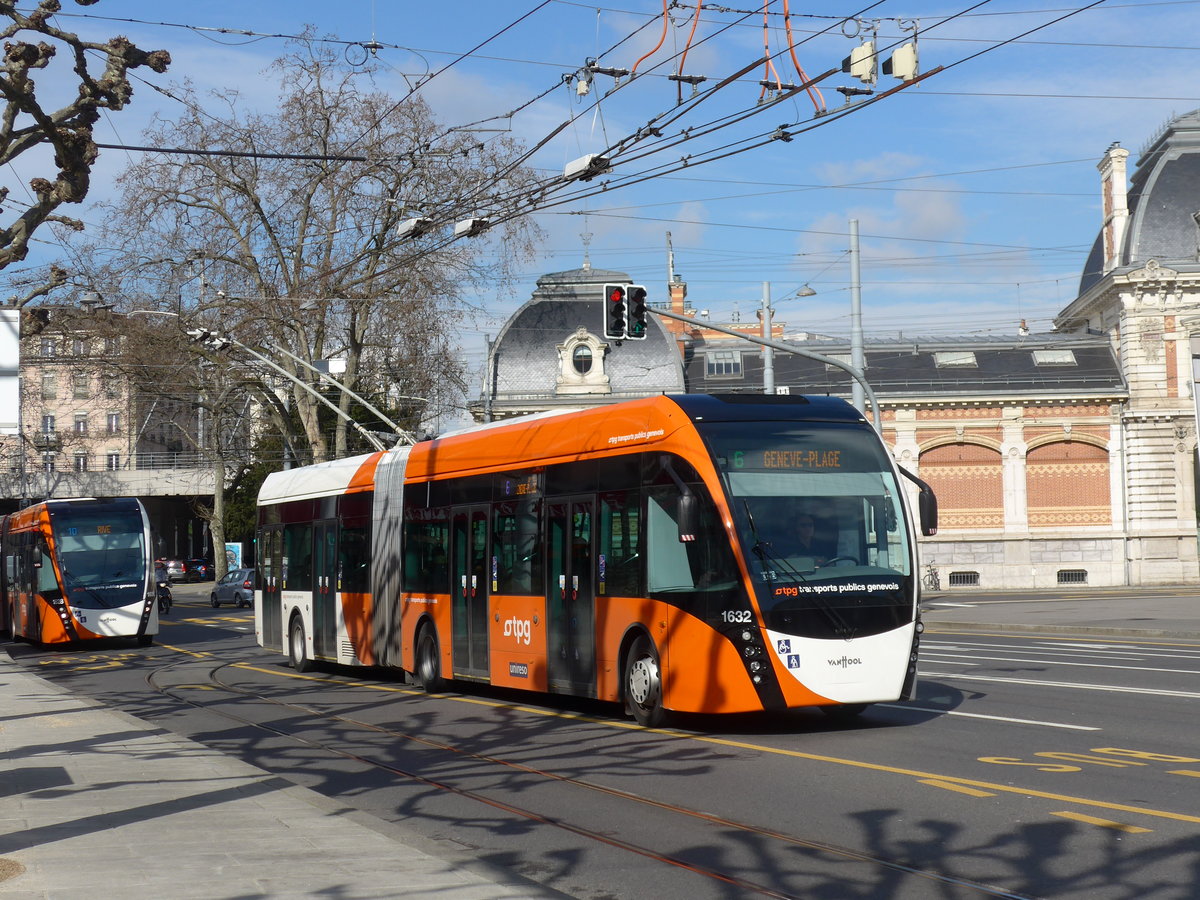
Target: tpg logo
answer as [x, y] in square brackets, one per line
[521, 629]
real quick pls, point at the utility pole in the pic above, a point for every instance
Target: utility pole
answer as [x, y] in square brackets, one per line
[768, 353]
[856, 334]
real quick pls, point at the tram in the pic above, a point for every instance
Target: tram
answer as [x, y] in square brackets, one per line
[78, 570]
[644, 552]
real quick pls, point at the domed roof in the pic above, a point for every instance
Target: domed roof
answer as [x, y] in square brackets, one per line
[525, 352]
[1163, 200]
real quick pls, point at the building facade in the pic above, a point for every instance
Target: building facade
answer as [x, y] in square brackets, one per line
[1064, 458]
[85, 429]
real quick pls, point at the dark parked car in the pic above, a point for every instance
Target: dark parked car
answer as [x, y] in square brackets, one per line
[199, 570]
[237, 587]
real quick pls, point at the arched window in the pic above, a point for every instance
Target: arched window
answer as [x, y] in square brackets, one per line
[1067, 483]
[581, 363]
[969, 484]
[581, 357]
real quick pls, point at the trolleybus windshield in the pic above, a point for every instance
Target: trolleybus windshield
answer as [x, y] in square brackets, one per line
[101, 554]
[819, 515]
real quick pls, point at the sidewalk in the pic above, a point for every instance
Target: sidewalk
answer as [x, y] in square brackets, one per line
[1146, 613]
[94, 802]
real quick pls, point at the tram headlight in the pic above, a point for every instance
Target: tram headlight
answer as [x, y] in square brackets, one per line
[755, 666]
[747, 635]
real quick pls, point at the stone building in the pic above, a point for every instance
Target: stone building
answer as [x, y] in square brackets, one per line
[1065, 458]
[85, 430]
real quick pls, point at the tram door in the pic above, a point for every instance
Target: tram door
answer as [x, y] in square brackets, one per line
[325, 596]
[469, 586]
[571, 596]
[270, 571]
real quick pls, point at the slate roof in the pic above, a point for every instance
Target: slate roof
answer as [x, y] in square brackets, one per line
[1164, 195]
[525, 351]
[907, 369]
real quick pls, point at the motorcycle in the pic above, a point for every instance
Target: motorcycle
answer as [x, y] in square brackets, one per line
[164, 598]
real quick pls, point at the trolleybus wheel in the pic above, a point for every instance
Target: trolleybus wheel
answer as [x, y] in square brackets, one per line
[643, 684]
[429, 661]
[145, 640]
[297, 648]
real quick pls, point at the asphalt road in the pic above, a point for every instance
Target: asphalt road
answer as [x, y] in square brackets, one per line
[1029, 765]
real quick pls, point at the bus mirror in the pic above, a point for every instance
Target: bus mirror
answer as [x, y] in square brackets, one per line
[928, 509]
[688, 517]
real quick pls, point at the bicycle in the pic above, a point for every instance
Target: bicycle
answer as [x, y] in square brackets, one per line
[932, 579]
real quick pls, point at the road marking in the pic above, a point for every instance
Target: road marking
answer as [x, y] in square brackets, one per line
[1190, 695]
[758, 748]
[1103, 823]
[954, 712]
[958, 788]
[1185, 772]
[948, 657]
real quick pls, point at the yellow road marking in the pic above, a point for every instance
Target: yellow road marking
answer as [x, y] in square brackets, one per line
[1103, 823]
[1191, 772]
[962, 789]
[760, 748]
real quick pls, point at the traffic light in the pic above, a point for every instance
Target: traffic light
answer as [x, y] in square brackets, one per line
[636, 320]
[614, 311]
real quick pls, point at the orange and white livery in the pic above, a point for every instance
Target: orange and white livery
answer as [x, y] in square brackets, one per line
[645, 552]
[78, 570]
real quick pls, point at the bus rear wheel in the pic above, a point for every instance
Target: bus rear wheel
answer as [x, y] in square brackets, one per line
[429, 661]
[298, 647]
[643, 684]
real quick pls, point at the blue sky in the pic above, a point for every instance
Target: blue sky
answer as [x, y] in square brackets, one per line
[976, 191]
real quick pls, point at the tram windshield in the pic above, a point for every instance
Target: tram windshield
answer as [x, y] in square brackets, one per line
[101, 554]
[819, 515]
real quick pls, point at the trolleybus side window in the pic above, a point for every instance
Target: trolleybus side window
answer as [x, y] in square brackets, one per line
[516, 546]
[426, 550]
[47, 583]
[354, 544]
[685, 551]
[620, 544]
[297, 557]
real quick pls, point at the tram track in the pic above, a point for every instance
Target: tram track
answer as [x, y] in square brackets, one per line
[833, 852]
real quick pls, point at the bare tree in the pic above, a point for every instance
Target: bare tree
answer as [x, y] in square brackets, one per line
[294, 243]
[29, 122]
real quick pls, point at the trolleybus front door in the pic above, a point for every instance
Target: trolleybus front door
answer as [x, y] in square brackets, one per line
[325, 590]
[571, 596]
[469, 583]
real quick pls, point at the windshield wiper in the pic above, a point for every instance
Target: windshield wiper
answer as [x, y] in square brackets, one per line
[762, 549]
[71, 582]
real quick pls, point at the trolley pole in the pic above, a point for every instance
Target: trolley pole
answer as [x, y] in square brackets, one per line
[856, 333]
[768, 353]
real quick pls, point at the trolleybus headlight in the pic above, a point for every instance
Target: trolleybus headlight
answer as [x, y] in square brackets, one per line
[747, 636]
[755, 666]
[920, 627]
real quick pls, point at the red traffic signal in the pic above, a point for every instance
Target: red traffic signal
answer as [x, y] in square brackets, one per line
[614, 311]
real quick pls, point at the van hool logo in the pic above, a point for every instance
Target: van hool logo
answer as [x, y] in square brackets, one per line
[845, 662]
[521, 629]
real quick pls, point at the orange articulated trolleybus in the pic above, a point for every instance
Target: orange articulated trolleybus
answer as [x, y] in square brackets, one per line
[78, 570]
[654, 552]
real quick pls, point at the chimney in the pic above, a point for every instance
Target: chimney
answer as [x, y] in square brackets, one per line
[1114, 193]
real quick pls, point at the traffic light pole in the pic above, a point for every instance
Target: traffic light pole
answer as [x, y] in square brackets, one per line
[853, 371]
